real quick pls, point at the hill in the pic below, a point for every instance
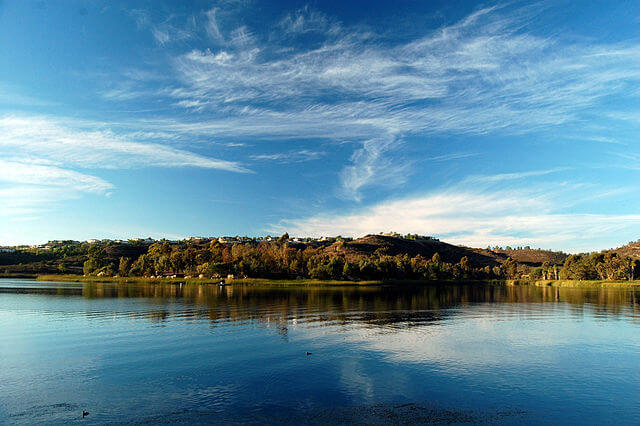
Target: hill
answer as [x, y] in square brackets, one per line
[631, 250]
[527, 256]
[269, 258]
[370, 244]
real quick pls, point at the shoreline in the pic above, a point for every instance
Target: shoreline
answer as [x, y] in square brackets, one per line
[209, 281]
[315, 282]
[587, 284]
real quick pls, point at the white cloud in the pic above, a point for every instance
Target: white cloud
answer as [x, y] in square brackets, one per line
[40, 155]
[453, 156]
[212, 24]
[308, 20]
[290, 157]
[484, 74]
[479, 217]
[165, 31]
[17, 172]
[372, 166]
[511, 176]
[28, 186]
[51, 140]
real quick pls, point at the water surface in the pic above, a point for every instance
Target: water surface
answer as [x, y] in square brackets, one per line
[147, 353]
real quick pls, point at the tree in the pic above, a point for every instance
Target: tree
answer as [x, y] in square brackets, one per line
[464, 264]
[96, 260]
[336, 266]
[159, 249]
[124, 267]
[350, 271]
[545, 271]
[284, 238]
[633, 267]
[510, 268]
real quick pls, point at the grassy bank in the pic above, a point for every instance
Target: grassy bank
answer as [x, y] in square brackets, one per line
[16, 275]
[256, 281]
[252, 281]
[312, 282]
[587, 283]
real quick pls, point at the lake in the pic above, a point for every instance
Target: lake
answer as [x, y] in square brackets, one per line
[156, 353]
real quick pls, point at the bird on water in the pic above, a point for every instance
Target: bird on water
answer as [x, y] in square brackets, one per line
[84, 414]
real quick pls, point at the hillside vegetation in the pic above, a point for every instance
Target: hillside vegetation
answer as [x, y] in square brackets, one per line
[373, 257]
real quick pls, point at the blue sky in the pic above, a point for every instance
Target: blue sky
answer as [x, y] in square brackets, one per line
[481, 123]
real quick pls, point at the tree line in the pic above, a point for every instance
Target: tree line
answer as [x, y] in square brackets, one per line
[281, 260]
[284, 261]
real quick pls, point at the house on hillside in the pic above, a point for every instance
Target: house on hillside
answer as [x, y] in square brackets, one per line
[227, 240]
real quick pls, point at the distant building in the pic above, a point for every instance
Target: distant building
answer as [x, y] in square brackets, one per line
[228, 240]
[391, 234]
[196, 239]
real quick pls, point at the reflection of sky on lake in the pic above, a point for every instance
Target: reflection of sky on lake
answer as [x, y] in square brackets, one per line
[203, 354]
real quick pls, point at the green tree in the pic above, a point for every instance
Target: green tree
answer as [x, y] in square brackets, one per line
[510, 268]
[96, 260]
[350, 271]
[124, 267]
[336, 267]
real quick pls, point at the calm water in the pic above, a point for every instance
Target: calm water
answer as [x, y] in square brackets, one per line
[201, 354]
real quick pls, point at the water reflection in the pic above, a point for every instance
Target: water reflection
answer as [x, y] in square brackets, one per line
[379, 305]
[202, 354]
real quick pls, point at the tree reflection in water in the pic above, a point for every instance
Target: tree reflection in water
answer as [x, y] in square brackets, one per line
[399, 306]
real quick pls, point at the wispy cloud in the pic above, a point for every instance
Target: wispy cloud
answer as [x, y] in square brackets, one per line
[290, 157]
[483, 74]
[308, 20]
[28, 172]
[41, 157]
[372, 165]
[79, 147]
[453, 156]
[511, 176]
[166, 30]
[29, 187]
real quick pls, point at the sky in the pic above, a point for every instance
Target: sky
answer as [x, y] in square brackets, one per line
[480, 123]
